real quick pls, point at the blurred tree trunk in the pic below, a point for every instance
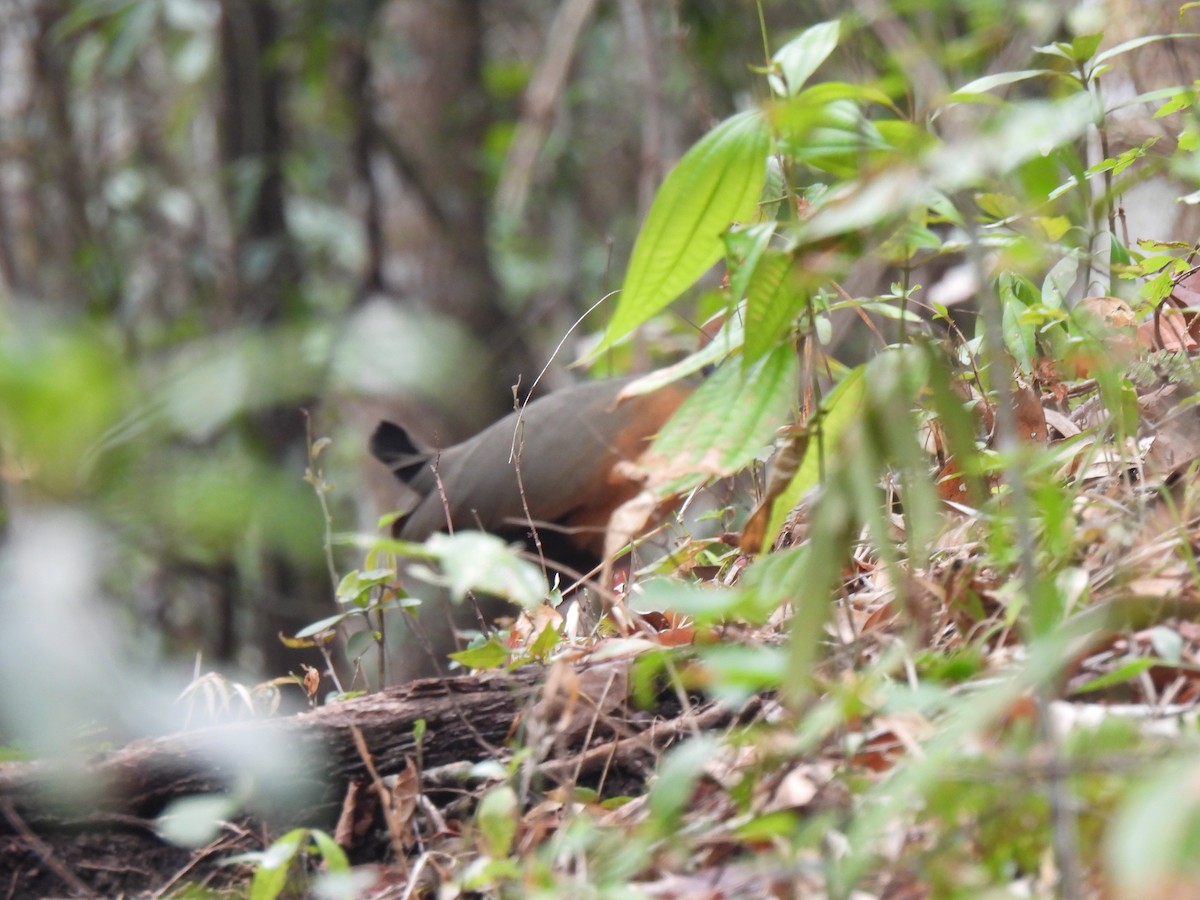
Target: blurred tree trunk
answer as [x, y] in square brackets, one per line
[252, 144]
[48, 248]
[430, 117]
[263, 290]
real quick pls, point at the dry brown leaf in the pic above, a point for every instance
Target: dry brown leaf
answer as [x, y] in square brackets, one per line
[359, 806]
[312, 680]
[528, 627]
[405, 791]
[1031, 418]
[795, 790]
[1115, 324]
[539, 823]
[629, 520]
[784, 465]
[1169, 413]
[1167, 330]
[1112, 311]
[571, 700]
[1186, 295]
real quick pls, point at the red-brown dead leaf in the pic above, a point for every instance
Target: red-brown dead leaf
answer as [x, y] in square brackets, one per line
[1112, 311]
[951, 485]
[898, 734]
[529, 625]
[405, 791]
[1186, 295]
[669, 629]
[359, 806]
[1031, 418]
[312, 680]
[1166, 330]
[1022, 714]
[539, 823]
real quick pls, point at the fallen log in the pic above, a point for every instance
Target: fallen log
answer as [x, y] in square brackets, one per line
[311, 753]
[92, 826]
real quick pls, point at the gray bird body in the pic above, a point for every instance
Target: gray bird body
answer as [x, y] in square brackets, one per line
[568, 446]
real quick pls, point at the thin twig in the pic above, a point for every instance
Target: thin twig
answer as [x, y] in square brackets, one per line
[316, 480]
[545, 87]
[697, 721]
[514, 453]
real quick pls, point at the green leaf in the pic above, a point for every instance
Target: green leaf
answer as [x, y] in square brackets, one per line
[834, 137]
[739, 671]
[1153, 837]
[331, 851]
[359, 643]
[717, 182]
[491, 655]
[743, 249]
[728, 340]
[991, 82]
[838, 411]
[497, 820]
[1118, 254]
[196, 820]
[355, 584]
[1060, 49]
[1085, 46]
[706, 605]
[828, 91]
[1057, 285]
[325, 624]
[268, 883]
[800, 57]
[772, 579]
[677, 775]
[135, 31]
[271, 875]
[1127, 672]
[1019, 334]
[817, 565]
[545, 642]
[1020, 132]
[729, 419]
[1177, 103]
[1140, 42]
[773, 300]
[778, 825]
[475, 561]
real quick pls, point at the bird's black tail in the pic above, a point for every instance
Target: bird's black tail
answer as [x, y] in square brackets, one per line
[391, 445]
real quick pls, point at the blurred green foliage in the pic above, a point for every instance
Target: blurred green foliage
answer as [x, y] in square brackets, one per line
[134, 389]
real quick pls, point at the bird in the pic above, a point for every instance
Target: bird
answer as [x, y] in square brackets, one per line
[561, 465]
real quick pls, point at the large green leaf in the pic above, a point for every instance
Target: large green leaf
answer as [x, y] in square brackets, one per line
[475, 561]
[773, 300]
[800, 57]
[727, 341]
[1001, 79]
[839, 410]
[717, 182]
[743, 248]
[1141, 42]
[1020, 332]
[729, 419]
